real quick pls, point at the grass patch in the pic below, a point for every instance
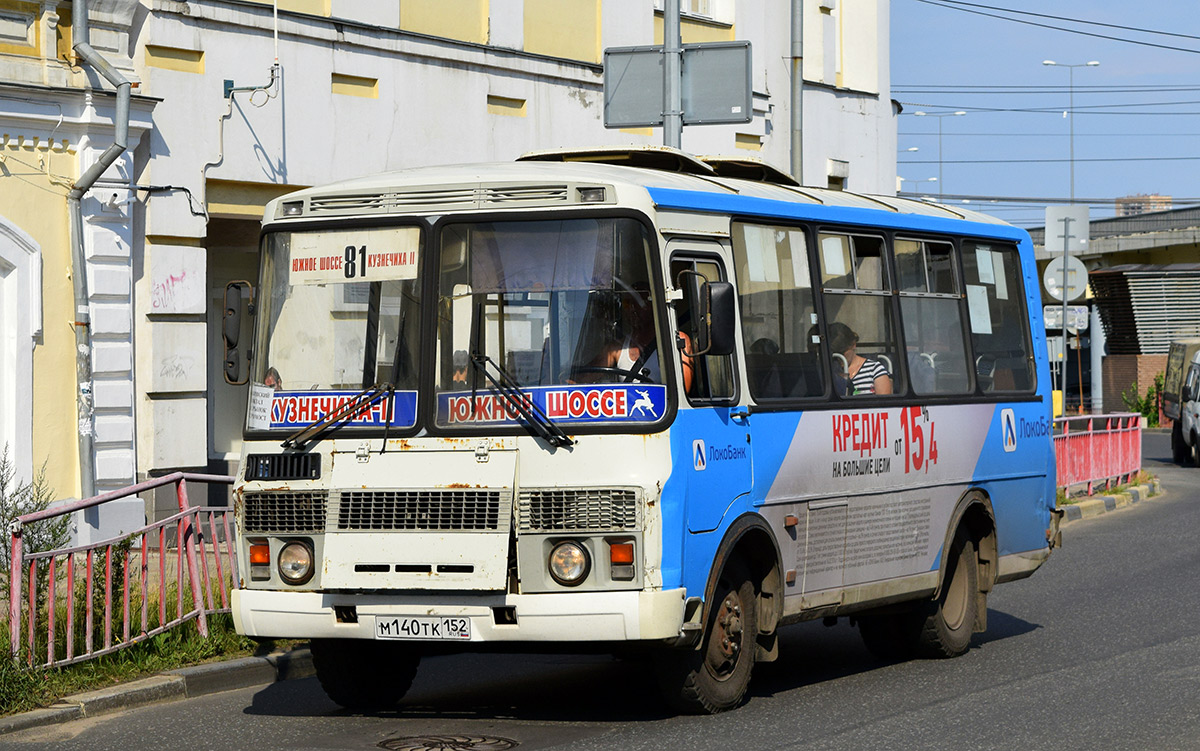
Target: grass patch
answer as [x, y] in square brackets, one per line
[23, 689]
[1141, 478]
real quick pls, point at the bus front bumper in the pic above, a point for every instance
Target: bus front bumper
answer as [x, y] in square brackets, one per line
[565, 617]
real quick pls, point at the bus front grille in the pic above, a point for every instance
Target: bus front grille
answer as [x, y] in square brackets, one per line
[442, 510]
[563, 509]
[285, 511]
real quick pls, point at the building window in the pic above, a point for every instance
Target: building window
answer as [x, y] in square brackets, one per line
[20, 324]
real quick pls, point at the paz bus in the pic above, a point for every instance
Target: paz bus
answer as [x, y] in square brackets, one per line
[630, 399]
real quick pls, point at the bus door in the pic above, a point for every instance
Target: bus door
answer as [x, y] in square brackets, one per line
[711, 428]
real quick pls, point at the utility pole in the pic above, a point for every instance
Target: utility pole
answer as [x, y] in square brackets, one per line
[672, 76]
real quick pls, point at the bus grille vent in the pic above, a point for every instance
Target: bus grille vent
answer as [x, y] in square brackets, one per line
[285, 511]
[561, 510]
[443, 510]
[533, 194]
[283, 467]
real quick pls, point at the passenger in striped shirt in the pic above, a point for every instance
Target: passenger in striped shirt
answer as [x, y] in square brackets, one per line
[864, 375]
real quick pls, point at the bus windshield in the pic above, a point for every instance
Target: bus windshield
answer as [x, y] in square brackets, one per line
[549, 304]
[339, 311]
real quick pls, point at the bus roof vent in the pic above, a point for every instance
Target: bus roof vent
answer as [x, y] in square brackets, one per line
[648, 156]
[525, 194]
[749, 168]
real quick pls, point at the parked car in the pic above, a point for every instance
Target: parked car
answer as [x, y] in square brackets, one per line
[1181, 370]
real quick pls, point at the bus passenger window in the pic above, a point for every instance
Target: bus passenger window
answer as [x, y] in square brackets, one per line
[999, 325]
[930, 307]
[708, 378]
[861, 336]
[778, 312]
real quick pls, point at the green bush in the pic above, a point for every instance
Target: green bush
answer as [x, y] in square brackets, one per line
[18, 499]
[1148, 405]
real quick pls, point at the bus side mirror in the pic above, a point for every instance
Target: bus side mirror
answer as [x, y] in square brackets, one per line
[712, 314]
[721, 313]
[231, 330]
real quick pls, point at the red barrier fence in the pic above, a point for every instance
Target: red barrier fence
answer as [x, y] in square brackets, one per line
[133, 569]
[1095, 449]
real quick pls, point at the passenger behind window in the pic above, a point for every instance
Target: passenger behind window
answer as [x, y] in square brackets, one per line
[864, 375]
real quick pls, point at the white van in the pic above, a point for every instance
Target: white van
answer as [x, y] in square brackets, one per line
[1188, 423]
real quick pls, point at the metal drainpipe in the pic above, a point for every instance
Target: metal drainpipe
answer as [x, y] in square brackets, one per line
[798, 90]
[83, 349]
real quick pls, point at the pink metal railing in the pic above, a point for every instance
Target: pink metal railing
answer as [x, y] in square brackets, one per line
[198, 536]
[1094, 449]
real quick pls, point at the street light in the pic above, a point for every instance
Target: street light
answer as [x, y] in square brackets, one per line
[1071, 110]
[917, 183]
[939, 116]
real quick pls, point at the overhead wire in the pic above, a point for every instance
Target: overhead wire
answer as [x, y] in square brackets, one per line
[949, 5]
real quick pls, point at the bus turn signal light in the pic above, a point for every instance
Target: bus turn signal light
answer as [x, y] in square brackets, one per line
[260, 555]
[620, 556]
[621, 552]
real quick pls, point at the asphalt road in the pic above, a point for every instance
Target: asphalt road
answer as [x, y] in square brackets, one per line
[1098, 650]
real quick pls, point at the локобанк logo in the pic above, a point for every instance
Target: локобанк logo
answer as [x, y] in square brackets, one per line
[1008, 428]
[699, 462]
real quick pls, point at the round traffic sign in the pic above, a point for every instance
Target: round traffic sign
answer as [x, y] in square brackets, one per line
[1073, 279]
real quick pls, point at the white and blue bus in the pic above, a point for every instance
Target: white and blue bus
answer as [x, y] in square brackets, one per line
[627, 398]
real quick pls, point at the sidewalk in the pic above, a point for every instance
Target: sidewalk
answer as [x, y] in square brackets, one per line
[173, 685]
[244, 672]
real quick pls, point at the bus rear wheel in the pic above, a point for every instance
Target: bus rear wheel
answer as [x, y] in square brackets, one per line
[364, 675]
[715, 677]
[939, 628]
[950, 619]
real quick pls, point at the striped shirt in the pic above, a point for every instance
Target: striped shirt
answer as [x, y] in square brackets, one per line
[863, 381]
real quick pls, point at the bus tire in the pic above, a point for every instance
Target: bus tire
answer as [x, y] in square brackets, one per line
[950, 619]
[1180, 451]
[715, 677]
[364, 675]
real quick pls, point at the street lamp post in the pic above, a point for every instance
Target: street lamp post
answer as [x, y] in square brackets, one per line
[939, 116]
[917, 183]
[1071, 110]
[1066, 240]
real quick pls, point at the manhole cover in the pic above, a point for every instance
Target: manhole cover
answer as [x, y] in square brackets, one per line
[449, 743]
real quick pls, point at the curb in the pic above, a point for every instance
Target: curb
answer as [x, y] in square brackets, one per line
[172, 685]
[1103, 504]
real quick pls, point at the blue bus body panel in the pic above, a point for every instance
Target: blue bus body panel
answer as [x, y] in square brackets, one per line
[851, 458]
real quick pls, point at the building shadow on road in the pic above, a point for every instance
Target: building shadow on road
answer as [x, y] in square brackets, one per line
[595, 688]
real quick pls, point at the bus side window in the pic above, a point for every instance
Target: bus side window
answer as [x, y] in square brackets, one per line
[778, 311]
[930, 306]
[999, 324]
[860, 321]
[711, 376]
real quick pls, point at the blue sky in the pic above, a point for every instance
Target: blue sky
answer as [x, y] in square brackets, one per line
[945, 59]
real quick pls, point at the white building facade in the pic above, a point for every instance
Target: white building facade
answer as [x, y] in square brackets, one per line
[236, 102]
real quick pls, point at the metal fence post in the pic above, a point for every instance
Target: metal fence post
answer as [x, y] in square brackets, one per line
[14, 591]
[188, 539]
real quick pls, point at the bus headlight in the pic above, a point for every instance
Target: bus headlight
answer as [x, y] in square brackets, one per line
[295, 562]
[569, 563]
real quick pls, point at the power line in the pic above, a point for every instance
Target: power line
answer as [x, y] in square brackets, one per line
[1125, 134]
[1053, 161]
[1054, 110]
[995, 90]
[944, 4]
[1071, 20]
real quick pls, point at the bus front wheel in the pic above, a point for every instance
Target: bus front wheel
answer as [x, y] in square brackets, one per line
[361, 674]
[715, 677]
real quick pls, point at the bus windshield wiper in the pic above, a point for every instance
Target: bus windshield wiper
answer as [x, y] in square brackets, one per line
[536, 421]
[340, 416]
